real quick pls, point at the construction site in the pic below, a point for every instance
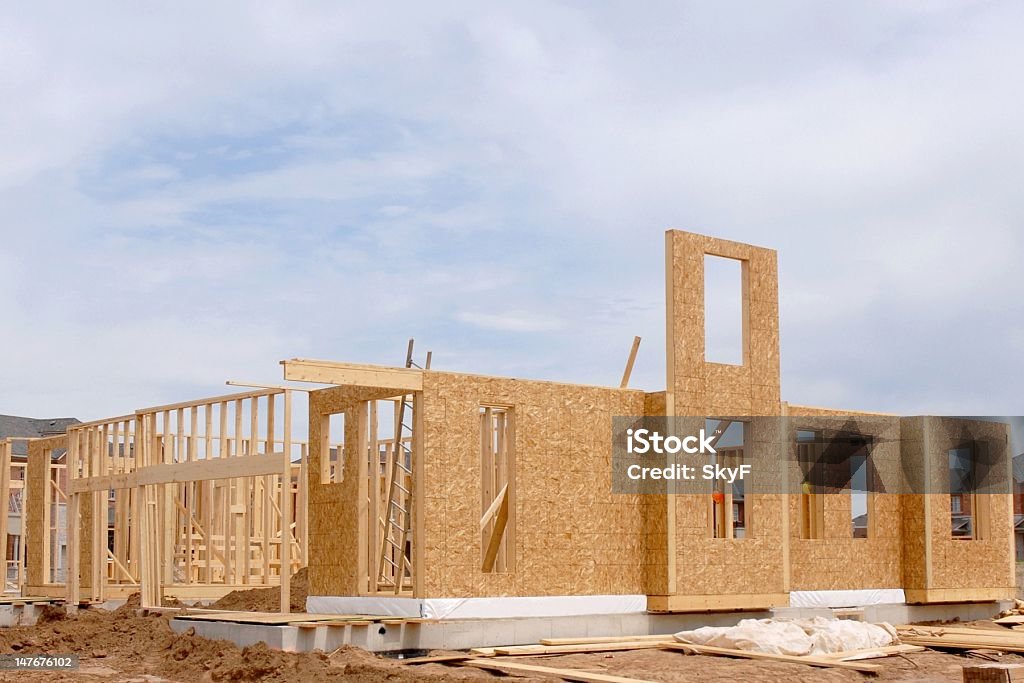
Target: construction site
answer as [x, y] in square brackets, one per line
[412, 522]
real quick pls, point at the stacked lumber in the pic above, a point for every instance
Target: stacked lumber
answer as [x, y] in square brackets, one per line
[505, 658]
[962, 638]
[1011, 620]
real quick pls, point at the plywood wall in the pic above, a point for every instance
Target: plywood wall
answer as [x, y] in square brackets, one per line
[37, 470]
[838, 561]
[695, 386]
[334, 507]
[939, 568]
[698, 564]
[573, 535]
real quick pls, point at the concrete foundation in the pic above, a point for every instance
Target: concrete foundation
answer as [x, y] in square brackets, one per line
[471, 633]
[19, 613]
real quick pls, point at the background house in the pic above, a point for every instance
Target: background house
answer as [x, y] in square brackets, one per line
[19, 428]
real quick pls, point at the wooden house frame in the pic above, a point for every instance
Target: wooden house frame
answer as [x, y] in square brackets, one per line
[546, 506]
[418, 485]
[12, 489]
[190, 500]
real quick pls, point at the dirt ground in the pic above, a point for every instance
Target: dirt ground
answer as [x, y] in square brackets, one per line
[122, 646]
[267, 599]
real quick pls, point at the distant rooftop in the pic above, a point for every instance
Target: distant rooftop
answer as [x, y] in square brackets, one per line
[32, 428]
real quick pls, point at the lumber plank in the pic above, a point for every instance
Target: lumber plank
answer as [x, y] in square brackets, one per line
[873, 652]
[238, 396]
[497, 532]
[629, 364]
[566, 674]
[436, 659]
[493, 509]
[666, 637]
[529, 650]
[1010, 621]
[374, 376]
[271, 617]
[961, 638]
[745, 654]
[962, 644]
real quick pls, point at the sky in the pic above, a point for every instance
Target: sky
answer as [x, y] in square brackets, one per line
[191, 192]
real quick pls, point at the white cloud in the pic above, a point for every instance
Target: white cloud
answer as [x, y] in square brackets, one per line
[195, 190]
[509, 321]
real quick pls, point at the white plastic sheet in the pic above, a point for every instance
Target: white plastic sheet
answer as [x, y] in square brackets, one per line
[798, 637]
[849, 598]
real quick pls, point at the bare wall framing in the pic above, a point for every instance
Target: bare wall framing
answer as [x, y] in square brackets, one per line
[189, 500]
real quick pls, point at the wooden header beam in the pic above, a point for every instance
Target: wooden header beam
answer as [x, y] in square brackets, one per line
[373, 376]
[256, 393]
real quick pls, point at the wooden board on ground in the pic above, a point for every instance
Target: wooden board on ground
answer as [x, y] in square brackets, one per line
[873, 652]
[19, 600]
[565, 674]
[533, 650]
[437, 659]
[666, 638]
[271, 618]
[960, 638]
[1010, 621]
[810, 661]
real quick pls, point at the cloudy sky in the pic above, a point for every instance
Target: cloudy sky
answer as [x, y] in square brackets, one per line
[190, 193]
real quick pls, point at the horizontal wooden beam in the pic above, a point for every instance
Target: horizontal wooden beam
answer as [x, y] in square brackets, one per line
[197, 470]
[227, 398]
[917, 596]
[264, 385]
[99, 423]
[716, 603]
[376, 376]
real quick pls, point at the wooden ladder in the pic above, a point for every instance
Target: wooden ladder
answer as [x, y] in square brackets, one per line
[397, 520]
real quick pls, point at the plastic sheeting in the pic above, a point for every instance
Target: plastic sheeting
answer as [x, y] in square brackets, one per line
[852, 598]
[479, 608]
[798, 637]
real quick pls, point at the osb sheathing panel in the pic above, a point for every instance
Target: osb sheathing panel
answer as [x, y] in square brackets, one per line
[985, 563]
[838, 561]
[654, 519]
[36, 473]
[37, 470]
[695, 386]
[705, 565]
[573, 535]
[753, 564]
[333, 508]
[912, 505]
